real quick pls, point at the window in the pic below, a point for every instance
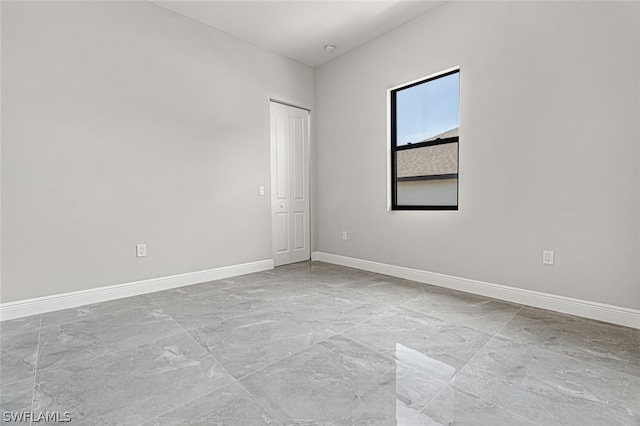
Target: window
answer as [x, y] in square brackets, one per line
[425, 120]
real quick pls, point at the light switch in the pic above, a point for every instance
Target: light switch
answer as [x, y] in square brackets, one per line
[261, 191]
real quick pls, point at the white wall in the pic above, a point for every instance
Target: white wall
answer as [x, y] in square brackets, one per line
[124, 123]
[549, 147]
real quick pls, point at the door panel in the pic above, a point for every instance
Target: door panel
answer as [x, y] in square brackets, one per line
[299, 242]
[290, 180]
[282, 233]
[282, 156]
[298, 163]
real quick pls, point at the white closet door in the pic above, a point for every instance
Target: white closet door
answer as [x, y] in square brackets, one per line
[290, 183]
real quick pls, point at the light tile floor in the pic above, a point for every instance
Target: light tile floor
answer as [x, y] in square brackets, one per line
[318, 344]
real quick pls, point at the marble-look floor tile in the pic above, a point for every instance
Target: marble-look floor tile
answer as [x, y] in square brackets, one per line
[97, 309]
[99, 334]
[211, 308]
[20, 325]
[434, 344]
[346, 271]
[319, 271]
[389, 290]
[358, 297]
[129, 361]
[336, 282]
[195, 290]
[19, 417]
[18, 356]
[130, 386]
[247, 343]
[377, 294]
[322, 278]
[336, 276]
[607, 345]
[453, 406]
[231, 405]
[15, 398]
[481, 313]
[332, 312]
[298, 272]
[339, 381]
[369, 412]
[550, 388]
[282, 291]
[251, 279]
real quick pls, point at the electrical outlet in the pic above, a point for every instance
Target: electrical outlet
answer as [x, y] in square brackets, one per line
[344, 235]
[547, 257]
[141, 250]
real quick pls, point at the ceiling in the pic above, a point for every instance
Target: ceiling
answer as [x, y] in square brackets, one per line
[301, 29]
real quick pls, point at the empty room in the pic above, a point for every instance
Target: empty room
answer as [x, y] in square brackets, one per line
[320, 213]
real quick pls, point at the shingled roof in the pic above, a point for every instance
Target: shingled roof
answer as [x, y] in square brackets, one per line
[429, 160]
[448, 134]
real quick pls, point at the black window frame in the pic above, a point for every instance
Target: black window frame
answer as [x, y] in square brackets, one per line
[440, 141]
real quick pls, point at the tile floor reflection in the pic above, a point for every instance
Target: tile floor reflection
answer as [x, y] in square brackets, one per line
[319, 344]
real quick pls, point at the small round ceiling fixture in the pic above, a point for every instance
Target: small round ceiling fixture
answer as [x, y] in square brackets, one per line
[329, 48]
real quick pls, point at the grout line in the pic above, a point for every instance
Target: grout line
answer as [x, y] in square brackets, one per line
[280, 304]
[186, 403]
[471, 359]
[450, 382]
[306, 346]
[234, 379]
[570, 357]
[384, 311]
[521, 307]
[81, 318]
[114, 351]
[184, 330]
[260, 403]
[296, 352]
[445, 384]
[35, 372]
[208, 354]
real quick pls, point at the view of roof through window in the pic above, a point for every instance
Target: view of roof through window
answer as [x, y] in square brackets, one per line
[428, 109]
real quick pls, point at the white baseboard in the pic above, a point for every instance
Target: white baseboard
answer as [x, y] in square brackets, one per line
[23, 308]
[583, 308]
